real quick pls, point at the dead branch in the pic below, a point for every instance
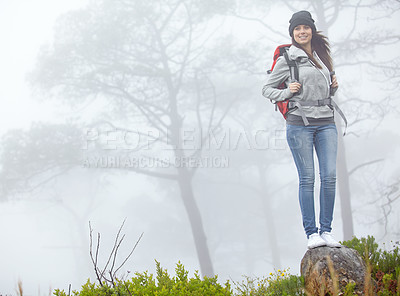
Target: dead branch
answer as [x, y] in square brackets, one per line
[94, 259]
[129, 255]
[364, 164]
[108, 274]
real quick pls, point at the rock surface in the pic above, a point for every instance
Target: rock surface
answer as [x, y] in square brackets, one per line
[347, 265]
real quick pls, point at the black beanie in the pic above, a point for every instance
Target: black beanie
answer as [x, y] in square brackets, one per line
[302, 17]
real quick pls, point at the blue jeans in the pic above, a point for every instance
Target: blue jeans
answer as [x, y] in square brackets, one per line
[302, 140]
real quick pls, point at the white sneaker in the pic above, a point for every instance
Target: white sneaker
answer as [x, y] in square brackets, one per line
[314, 241]
[330, 241]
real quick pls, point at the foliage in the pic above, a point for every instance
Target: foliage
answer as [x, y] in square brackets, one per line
[379, 260]
[163, 284]
[277, 283]
[42, 151]
[281, 282]
[385, 265]
[349, 289]
[386, 284]
[390, 260]
[285, 284]
[366, 247]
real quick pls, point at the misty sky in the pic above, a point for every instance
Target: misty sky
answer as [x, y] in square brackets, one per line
[25, 27]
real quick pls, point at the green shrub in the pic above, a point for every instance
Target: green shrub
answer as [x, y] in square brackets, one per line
[379, 260]
[389, 261]
[349, 289]
[163, 285]
[277, 283]
[386, 284]
[385, 265]
[283, 283]
[367, 248]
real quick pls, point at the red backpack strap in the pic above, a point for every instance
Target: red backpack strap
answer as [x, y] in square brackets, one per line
[279, 51]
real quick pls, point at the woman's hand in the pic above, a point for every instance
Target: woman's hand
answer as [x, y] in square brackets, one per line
[294, 87]
[334, 83]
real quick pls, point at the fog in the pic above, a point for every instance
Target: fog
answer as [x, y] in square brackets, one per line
[151, 114]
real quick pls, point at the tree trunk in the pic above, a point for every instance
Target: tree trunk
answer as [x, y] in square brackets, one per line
[342, 171]
[269, 219]
[196, 224]
[344, 187]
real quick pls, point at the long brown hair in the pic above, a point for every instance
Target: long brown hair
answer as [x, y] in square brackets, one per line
[320, 44]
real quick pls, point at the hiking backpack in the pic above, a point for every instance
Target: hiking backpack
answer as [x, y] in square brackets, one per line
[288, 105]
[282, 50]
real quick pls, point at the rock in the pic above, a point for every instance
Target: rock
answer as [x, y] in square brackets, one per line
[347, 264]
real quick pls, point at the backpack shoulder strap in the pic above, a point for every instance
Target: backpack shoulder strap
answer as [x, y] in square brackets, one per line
[293, 68]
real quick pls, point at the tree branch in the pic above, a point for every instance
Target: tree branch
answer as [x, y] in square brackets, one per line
[365, 164]
[102, 275]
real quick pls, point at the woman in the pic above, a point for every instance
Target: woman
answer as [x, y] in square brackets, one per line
[310, 49]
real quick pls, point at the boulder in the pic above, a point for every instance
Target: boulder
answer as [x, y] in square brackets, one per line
[344, 264]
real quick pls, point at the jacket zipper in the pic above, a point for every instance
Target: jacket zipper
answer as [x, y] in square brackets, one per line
[326, 80]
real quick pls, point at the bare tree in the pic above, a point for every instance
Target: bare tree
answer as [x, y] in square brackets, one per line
[32, 158]
[391, 196]
[147, 61]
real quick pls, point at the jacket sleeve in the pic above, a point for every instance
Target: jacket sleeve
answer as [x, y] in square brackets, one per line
[279, 75]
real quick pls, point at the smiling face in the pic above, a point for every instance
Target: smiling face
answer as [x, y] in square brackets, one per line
[302, 35]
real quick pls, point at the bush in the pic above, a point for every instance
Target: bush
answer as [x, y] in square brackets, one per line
[367, 248]
[277, 283]
[379, 260]
[384, 265]
[163, 284]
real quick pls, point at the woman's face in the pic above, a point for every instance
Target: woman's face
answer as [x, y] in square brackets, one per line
[302, 34]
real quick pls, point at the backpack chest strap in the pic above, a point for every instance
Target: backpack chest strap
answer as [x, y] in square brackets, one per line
[318, 103]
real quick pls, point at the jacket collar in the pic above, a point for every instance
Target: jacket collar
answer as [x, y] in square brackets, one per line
[296, 53]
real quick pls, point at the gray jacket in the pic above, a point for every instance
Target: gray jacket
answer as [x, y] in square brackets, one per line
[315, 83]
